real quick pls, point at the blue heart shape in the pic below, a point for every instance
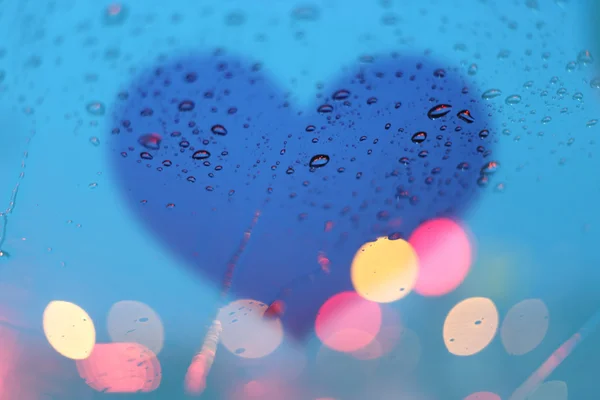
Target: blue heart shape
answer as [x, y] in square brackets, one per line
[200, 143]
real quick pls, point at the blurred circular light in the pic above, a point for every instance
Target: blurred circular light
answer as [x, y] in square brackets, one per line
[132, 321]
[444, 253]
[386, 339]
[470, 326]
[69, 330]
[524, 326]
[246, 333]
[384, 270]
[121, 368]
[346, 322]
[483, 396]
[552, 390]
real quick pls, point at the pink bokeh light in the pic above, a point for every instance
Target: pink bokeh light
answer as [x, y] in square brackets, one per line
[445, 254]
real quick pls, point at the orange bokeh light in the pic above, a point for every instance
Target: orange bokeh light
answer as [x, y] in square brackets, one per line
[470, 326]
[121, 368]
[444, 251]
[347, 322]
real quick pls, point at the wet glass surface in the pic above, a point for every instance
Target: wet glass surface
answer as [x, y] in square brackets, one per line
[299, 200]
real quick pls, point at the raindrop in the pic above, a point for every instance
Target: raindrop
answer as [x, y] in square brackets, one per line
[186, 105]
[201, 155]
[342, 94]
[439, 73]
[218, 130]
[95, 108]
[591, 123]
[115, 14]
[571, 66]
[145, 155]
[419, 137]
[578, 96]
[463, 166]
[472, 69]
[595, 83]
[318, 161]
[150, 141]
[325, 109]
[491, 93]
[439, 111]
[484, 133]
[490, 167]
[513, 99]
[95, 141]
[466, 116]
[305, 13]
[235, 18]
[545, 120]
[585, 57]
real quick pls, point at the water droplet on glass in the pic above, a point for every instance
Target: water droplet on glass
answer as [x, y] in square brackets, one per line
[571, 66]
[491, 93]
[463, 166]
[545, 120]
[186, 105]
[585, 57]
[439, 111]
[318, 161]
[484, 133]
[95, 141]
[490, 167]
[289, 171]
[146, 156]
[439, 73]
[595, 83]
[218, 130]
[115, 14]
[419, 137]
[150, 141]
[96, 108]
[578, 96]
[513, 99]
[325, 109]
[466, 116]
[591, 123]
[342, 94]
[472, 69]
[201, 155]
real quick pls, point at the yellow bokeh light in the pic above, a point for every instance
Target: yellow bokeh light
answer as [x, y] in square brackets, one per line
[470, 326]
[385, 270]
[69, 330]
[552, 390]
[132, 321]
[246, 333]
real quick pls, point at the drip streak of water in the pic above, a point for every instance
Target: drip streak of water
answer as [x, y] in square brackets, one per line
[199, 369]
[557, 357]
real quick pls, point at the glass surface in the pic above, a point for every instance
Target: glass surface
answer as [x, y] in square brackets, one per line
[299, 200]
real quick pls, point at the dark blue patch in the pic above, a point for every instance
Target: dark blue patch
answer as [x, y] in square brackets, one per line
[228, 140]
